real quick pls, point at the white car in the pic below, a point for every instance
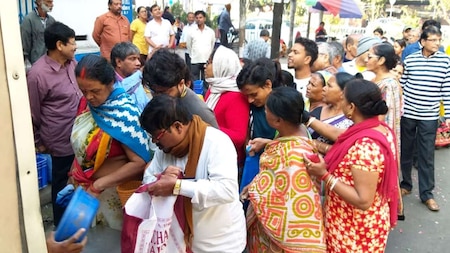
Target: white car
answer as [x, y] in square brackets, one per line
[254, 26]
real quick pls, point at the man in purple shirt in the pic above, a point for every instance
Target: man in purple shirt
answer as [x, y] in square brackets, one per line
[54, 98]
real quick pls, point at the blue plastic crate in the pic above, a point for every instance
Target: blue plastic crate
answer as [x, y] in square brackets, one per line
[42, 169]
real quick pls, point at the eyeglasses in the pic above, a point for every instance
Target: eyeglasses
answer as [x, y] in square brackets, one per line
[159, 136]
[370, 56]
[434, 40]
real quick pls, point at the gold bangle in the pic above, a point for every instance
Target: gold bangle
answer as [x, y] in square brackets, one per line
[326, 148]
[177, 187]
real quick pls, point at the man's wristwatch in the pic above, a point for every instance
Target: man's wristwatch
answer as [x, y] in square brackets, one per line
[177, 187]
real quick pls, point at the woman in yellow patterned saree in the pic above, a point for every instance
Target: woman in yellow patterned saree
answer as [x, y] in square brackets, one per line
[110, 146]
[285, 214]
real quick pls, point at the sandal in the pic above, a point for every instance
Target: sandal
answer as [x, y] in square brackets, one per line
[432, 205]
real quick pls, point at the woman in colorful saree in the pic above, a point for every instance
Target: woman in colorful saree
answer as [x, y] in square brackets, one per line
[285, 214]
[360, 174]
[110, 146]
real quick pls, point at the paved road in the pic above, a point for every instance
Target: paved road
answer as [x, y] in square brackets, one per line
[423, 231]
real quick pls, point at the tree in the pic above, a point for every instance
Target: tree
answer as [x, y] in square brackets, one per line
[276, 28]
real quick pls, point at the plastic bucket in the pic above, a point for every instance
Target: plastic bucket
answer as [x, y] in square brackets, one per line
[42, 170]
[198, 87]
[79, 213]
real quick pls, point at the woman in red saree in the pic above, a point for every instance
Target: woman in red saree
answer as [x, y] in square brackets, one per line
[285, 214]
[360, 174]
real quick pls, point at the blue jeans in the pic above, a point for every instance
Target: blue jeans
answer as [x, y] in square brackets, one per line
[423, 134]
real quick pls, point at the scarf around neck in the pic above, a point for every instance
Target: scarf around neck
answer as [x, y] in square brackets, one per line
[388, 188]
[226, 67]
[192, 146]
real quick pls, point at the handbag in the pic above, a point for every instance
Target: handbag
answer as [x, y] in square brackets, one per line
[148, 224]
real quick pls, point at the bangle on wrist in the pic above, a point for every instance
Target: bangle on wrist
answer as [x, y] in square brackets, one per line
[310, 121]
[325, 176]
[95, 190]
[177, 187]
[334, 183]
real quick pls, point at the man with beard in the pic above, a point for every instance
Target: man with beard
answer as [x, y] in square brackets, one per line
[32, 31]
[111, 28]
[54, 96]
[198, 163]
[167, 73]
[126, 63]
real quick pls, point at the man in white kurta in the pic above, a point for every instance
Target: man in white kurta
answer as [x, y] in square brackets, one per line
[217, 214]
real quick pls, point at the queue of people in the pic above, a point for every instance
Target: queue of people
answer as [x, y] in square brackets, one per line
[330, 144]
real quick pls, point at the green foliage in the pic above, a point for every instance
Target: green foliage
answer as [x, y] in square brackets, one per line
[177, 10]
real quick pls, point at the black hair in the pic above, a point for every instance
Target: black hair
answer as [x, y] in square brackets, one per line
[311, 48]
[258, 72]
[162, 111]
[401, 42]
[95, 67]
[57, 32]
[286, 103]
[342, 78]
[153, 6]
[430, 30]
[288, 78]
[386, 50]
[322, 78]
[164, 68]
[379, 30]
[200, 12]
[431, 22]
[139, 9]
[366, 96]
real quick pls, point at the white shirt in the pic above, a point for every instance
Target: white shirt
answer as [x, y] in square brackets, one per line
[218, 217]
[301, 85]
[200, 44]
[351, 68]
[159, 33]
[185, 32]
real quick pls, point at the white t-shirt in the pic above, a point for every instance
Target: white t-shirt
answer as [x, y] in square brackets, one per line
[218, 217]
[301, 85]
[159, 33]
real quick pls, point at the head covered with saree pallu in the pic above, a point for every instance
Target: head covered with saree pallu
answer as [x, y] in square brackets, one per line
[102, 126]
[285, 214]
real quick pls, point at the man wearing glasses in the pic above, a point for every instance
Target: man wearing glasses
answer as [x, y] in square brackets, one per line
[167, 73]
[198, 163]
[425, 82]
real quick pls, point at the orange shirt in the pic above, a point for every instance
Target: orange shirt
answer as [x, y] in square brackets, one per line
[110, 29]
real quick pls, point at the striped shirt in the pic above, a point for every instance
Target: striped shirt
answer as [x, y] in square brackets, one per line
[425, 82]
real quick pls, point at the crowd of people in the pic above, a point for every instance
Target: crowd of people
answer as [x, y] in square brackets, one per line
[335, 141]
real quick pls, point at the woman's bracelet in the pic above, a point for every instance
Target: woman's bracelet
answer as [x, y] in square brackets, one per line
[95, 190]
[310, 121]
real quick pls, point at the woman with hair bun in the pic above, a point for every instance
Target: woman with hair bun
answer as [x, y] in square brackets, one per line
[283, 183]
[360, 175]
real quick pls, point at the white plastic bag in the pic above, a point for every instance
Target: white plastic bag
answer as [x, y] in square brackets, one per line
[159, 231]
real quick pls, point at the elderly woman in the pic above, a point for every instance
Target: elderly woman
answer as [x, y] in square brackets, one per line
[224, 98]
[314, 89]
[360, 174]
[284, 184]
[110, 146]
